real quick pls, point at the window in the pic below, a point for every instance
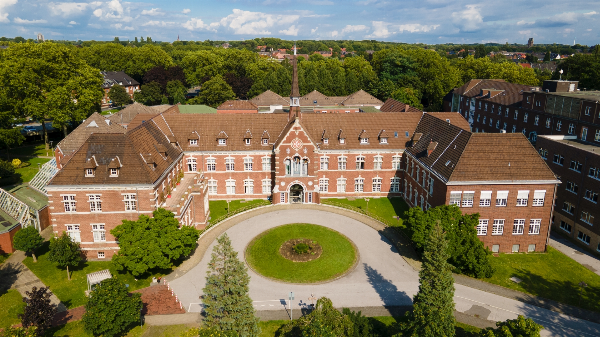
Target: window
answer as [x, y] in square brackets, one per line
[230, 186]
[266, 186]
[523, 131]
[342, 163]
[222, 141]
[95, 203]
[484, 119]
[543, 153]
[359, 184]
[569, 207]
[376, 184]
[377, 162]
[395, 185]
[534, 226]
[597, 136]
[74, 233]
[341, 185]
[594, 173]
[548, 122]
[99, 232]
[518, 226]
[114, 172]
[525, 116]
[360, 163]
[325, 140]
[479, 104]
[536, 120]
[364, 140]
[229, 164]
[498, 124]
[587, 110]
[571, 128]
[485, 107]
[587, 218]
[571, 187]
[265, 141]
[467, 200]
[323, 185]
[565, 226]
[70, 203]
[324, 163]
[455, 198]
[266, 164]
[501, 198]
[522, 198]
[212, 187]
[342, 140]
[478, 115]
[495, 248]
[396, 162]
[514, 129]
[247, 141]
[515, 248]
[491, 121]
[584, 238]
[100, 255]
[558, 125]
[248, 164]
[431, 186]
[89, 172]
[193, 142]
[482, 227]
[504, 127]
[191, 164]
[309, 196]
[383, 140]
[130, 202]
[498, 227]
[591, 196]
[282, 197]
[516, 115]
[506, 113]
[211, 164]
[558, 159]
[575, 165]
[249, 186]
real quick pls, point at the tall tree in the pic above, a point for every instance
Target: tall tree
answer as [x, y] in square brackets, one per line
[47, 80]
[214, 92]
[39, 310]
[10, 138]
[239, 84]
[118, 95]
[28, 240]
[155, 242]
[433, 305]
[176, 92]
[520, 327]
[227, 305]
[111, 310]
[480, 51]
[151, 94]
[64, 252]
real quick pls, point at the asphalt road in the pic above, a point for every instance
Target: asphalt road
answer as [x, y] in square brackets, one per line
[382, 277]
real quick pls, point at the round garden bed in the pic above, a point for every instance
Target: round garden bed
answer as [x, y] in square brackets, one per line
[321, 254]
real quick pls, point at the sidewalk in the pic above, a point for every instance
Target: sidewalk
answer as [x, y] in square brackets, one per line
[571, 250]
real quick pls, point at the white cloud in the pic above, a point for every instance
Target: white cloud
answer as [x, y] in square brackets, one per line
[469, 19]
[335, 33]
[98, 12]
[380, 30]
[3, 5]
[67, 8]
[158, 23]
[523, 22]
[254, 23]
[72, 22]
[354, 28]
[416, 27]
[589, 29]
[121, 27]
[185, 11]
[153, 11]
[321, 2]
[115, 6]
[569, 30]
[591, 13]
[314, 30]
[525, 32]
[197, 23]
[292, 31]
[27, 22]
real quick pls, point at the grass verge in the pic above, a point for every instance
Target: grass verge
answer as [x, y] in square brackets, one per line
[218, 208]
[72, 293]
[552, 275]
[262, 254]
[11, 304]
[28, 172]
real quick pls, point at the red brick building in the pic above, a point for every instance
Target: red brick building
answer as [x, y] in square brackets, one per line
[118, 77]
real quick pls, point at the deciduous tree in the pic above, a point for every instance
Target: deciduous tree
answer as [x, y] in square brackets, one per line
[39, 310]
[64, 252]
[28, 240]
[111, 310]
[151, 94]
[118, 95]
[18, 332]
[433, 305]
[520, 327]
[227, 305]
[149, 243]
[214, 92]
[10, 138]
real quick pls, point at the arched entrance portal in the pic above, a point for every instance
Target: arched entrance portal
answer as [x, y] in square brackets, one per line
[296, 194]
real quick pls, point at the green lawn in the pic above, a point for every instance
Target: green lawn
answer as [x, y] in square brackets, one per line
[218, 208]
[11, 304]
[35, 150]
[552, 275]
[268, 328]
[77, 328]
[382, 208]
[72, 293]
[264, 257]
[27, 173]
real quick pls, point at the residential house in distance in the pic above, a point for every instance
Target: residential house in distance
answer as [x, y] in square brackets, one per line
[117, 77]
[237, 107]
[124, 116]
[577, 164]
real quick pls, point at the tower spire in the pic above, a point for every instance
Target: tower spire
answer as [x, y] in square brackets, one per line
[295, 93]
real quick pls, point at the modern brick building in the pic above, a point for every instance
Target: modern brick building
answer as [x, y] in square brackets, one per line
[577, 163]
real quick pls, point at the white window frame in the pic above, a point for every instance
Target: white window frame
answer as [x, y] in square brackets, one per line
[538, 198]
[130, 201]
[211, 164]
[266, 164]
[522, 198]
[230, 164]
[95, 201]
[359, 185]
[324, 163]
[498, 227]
[69, 203]
[230, 186]
[518, 226]
[323, 185]
[501, 198]
[114, 172]
[99, 232]
[222, 141]
[266, 186]
[364, 141]
[377, 184]
[467, 198]
[100, 255]
[248, 186]
[360, 163]
[248, 164]
[396, 162]
[482, 227]
[341, 185]
[534, 226]
[395, 185]
[455, 198]
[342, 161]
[193, 142]
[212, 186]
[74, 232]
[378, 162]
[89, 172]
[485, 199]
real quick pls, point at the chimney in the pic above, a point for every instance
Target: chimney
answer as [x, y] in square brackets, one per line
[406, 107]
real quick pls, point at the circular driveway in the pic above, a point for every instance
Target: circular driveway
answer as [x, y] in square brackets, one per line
[382, 276]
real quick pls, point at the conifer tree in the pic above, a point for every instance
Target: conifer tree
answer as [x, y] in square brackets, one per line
[433, 305]
[227, 305]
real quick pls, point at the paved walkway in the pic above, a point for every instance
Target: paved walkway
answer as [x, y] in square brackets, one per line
[383, 277]
[578, 254]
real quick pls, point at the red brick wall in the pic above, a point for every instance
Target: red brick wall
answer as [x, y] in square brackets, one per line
[6, 241]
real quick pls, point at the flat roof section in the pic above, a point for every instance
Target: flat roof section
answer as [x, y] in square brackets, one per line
[576, 143]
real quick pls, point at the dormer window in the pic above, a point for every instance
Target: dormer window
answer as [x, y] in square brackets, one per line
[194, 142]
[342, 140]
[222, 141]
[364, 140]
[247, 141]
[383, 140]
[325, 140]
[89, 172]
[114, 172]
[265, 141]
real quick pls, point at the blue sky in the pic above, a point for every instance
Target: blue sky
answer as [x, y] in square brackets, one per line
[427, 21]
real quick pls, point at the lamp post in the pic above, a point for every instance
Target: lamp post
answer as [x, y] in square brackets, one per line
[228, 206]
[367, 200]
[291, 297]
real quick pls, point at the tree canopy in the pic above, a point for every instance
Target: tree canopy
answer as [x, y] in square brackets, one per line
[39, 310]
[150, 243]
[28, 240]
[64, 252]
[118, 95]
